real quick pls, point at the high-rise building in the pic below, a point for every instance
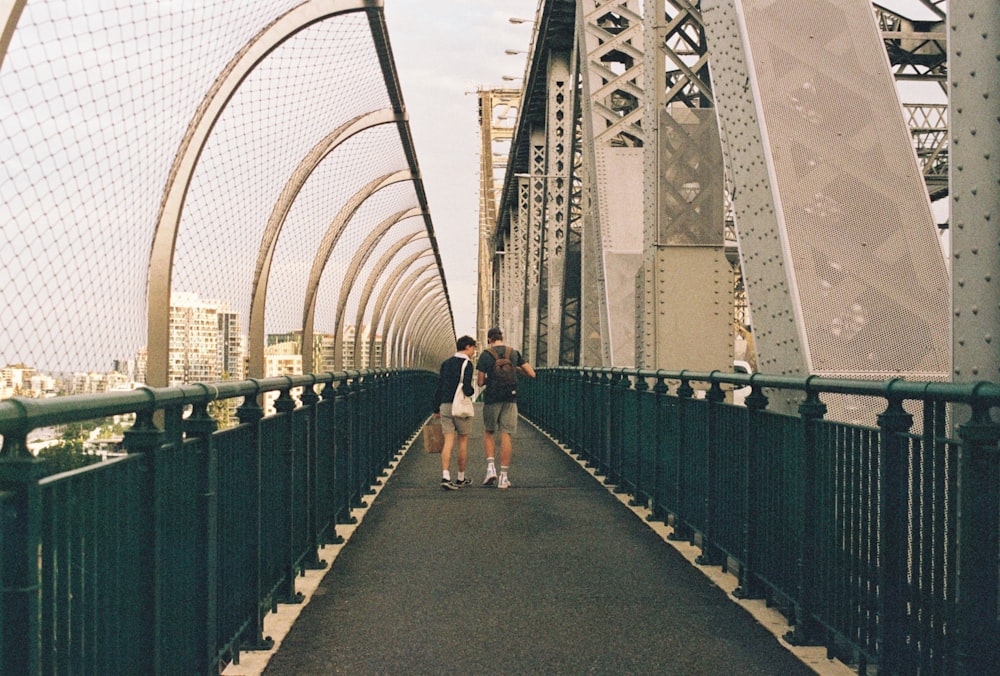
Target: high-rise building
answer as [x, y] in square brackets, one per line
[205, 341]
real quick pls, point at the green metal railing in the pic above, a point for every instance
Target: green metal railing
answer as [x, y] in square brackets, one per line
[166, 560]
[881, 542]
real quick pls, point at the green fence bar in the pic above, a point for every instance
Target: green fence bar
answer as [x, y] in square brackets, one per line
[167, 559]
[878, 541]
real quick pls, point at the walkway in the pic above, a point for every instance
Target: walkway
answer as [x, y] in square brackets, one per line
[554, 576]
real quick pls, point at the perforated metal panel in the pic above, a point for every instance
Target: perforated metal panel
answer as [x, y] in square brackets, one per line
[844, 272]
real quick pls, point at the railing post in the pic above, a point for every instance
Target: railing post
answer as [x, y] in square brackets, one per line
[660, 391]
[20, 537]
[311, 560]
[329, 393]
[201, 425]
[805, 632]
[250, 413]
[603, 416]
[146, 438]
[710, 554]
[893, 536]
[976, 601]
[750, 586]
[284, 405]
[681, 531]
[641, 435]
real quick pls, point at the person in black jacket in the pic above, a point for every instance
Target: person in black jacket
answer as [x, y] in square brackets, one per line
[456, 368]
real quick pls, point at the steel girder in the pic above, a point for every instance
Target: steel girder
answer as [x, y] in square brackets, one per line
[494, 108]
[840, 255]
[609, 43]
[685, 285]
[975, 190]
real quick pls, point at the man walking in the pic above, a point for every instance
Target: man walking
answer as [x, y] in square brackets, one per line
[455, 371]
[497, 369]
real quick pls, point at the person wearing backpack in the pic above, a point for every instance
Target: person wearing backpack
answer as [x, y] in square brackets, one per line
[497, 369]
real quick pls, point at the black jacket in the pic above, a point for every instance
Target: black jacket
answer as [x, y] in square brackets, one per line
[451, 369]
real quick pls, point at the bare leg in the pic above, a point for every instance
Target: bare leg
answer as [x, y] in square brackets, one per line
[488, 445]
[506, 449]
[449, 441]
[463, 451]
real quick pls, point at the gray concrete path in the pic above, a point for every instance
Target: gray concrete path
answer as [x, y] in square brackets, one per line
[553, 576]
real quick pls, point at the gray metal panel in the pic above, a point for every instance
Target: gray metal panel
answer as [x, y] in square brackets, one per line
[619, 177]
[844, 272]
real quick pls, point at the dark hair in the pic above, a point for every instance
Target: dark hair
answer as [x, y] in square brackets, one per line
[494, 334]
[464, 342]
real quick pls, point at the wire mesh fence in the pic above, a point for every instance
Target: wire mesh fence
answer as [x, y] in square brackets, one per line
[222, 129]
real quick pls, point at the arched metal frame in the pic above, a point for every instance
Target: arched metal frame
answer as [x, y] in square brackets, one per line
[414, 347]
[350, 277]
[276, 222]
[414, 316]
[192, 145]
[433, 336]
[9, 25]
[377, 271]
[437, 344]
[330, 239]
[428, 333]
[404, 301]
[383, 298]
[404, 298]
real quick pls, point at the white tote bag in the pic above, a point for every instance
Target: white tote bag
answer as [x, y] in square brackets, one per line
[461, 405]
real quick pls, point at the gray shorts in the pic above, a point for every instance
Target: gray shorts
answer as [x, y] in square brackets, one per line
[500, 417]
[451, 425]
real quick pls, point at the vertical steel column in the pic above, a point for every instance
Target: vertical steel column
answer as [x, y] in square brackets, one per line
[974, 79]
[686, 302]
[609, 45]
[535, 244]
[559, 121]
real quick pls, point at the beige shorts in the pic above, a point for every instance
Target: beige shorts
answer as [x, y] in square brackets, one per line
[451, 425]
[500, 417]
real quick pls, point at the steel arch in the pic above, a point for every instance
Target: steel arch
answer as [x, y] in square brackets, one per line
[185, 162]
[361, 256]
[375, 276]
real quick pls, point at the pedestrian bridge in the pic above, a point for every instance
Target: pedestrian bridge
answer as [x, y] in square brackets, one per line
[223, 306]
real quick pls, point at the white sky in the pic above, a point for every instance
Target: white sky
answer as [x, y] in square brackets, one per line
[444, 51]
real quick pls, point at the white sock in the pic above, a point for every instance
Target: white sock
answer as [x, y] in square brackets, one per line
[445, 475]
[489, 464]
[461, 476]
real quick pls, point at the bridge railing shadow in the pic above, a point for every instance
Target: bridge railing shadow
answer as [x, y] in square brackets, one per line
[879, 542]
[165, 560]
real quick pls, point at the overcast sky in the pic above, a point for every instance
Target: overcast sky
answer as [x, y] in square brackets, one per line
[445, 50]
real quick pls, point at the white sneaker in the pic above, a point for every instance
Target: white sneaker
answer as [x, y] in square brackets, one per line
[504, 482]
[491, 477]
